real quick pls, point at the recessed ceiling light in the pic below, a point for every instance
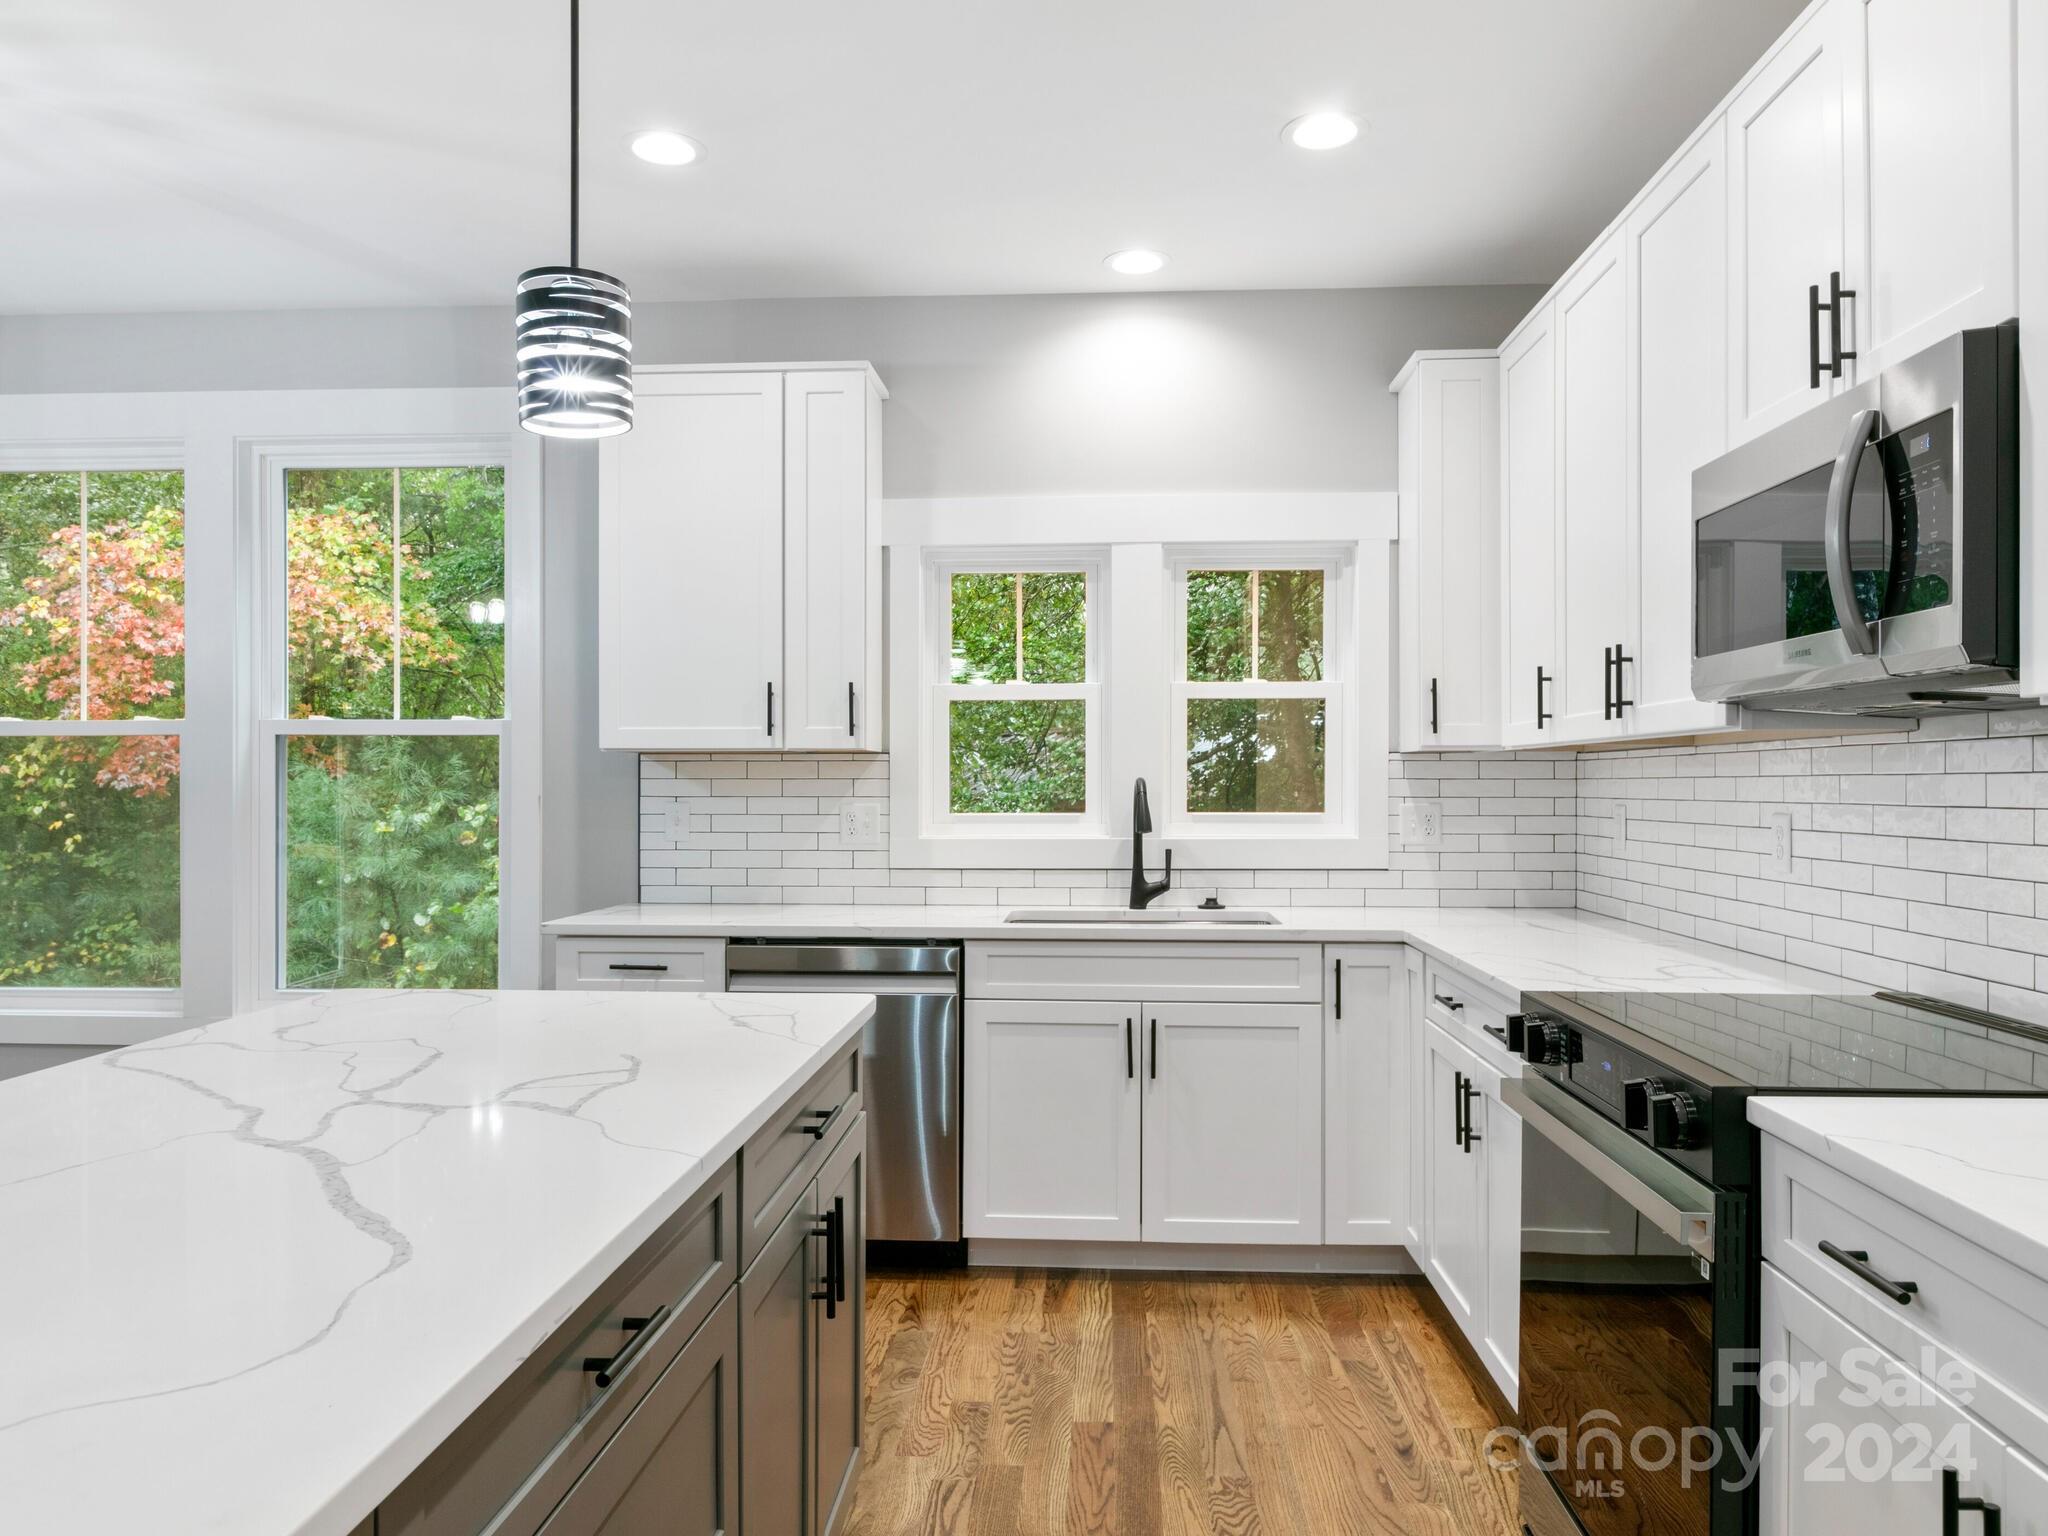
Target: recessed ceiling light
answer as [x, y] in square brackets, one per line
[658, 146]
[1321, 130]
[1134, 263]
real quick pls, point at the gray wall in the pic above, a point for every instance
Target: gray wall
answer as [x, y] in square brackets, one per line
[990, 396]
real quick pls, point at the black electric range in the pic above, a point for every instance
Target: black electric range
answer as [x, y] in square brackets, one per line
[1641, 1252]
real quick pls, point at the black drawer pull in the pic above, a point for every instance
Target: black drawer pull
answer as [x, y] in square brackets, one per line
[642, 1329]
[1954, 1506]
[634, 965]
[1857, 1262]
[1448, 1001]
[824, 1117]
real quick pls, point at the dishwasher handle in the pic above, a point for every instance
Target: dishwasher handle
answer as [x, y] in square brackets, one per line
[842, 960]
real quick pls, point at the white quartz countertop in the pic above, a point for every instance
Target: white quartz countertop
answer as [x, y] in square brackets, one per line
[1971, 1164]
[254, 1272]
[1513, 949]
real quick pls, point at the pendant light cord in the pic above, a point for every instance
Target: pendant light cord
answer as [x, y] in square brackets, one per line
[575, 119]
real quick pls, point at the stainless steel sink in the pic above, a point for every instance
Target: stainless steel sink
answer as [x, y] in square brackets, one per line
[1149, 915]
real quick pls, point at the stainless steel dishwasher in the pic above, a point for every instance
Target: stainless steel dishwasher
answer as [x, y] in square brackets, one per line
[910, 1073]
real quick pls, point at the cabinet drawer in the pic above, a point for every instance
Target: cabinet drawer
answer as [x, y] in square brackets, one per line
[1968, 1303]
[781, 1158]
[607, 964]
[1158, 971]
[516, 1456]
[1450, 998]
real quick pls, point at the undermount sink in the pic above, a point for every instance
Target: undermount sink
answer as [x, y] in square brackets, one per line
[1147, 915]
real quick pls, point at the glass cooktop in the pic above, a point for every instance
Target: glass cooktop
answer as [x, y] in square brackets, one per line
[1870, 1042]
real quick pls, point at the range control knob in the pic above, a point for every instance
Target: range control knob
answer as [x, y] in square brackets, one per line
[1545, 1043]
[1676, 1123]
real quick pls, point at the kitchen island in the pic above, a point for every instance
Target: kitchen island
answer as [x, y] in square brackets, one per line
[259, 1274]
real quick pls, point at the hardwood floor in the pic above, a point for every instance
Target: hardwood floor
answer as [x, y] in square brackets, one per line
[1042, 1404]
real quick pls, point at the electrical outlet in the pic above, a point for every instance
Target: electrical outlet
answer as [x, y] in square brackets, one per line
[860, 824]
[1778, 862]
[679, 822]
[1422, 823]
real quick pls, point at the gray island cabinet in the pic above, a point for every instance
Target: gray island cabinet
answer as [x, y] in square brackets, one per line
[714, 1379]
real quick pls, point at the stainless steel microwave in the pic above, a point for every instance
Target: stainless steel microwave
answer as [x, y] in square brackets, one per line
[1864, 559]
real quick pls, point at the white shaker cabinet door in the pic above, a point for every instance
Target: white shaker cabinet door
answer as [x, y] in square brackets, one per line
[1366, 1096]
[1529, 575]
[1793, 173]
[1233, 1123]
[1597, 550]
[1678, 372]
[1940, 139]
[834, 576]
[1455, 1186]
[690, 572]
[1050, 1111]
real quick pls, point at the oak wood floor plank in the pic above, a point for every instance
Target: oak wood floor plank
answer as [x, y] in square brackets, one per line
[1025, 1403]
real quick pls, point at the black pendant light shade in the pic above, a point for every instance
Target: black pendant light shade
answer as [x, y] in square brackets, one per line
[574, 326]
[575, 332]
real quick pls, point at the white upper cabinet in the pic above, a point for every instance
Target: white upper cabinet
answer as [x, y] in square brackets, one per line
[1528, 478]
[832, 621]
[1449, 551]
[1677, 257]
[690, 579]
[739, 599]
[1793, 171]
[1597, 545]
[1940, 136]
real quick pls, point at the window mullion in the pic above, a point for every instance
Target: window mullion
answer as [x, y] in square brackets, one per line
[397, 607]
[84, 602]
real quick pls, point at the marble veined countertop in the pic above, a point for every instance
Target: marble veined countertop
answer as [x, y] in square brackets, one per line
[1971, 1164]
[1515, 949]
[253, 1273]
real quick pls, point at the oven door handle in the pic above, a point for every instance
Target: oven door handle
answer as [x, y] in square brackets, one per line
[1835, 532]
[1678, 1205]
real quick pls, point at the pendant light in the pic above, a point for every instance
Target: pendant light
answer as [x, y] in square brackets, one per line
[574, 325]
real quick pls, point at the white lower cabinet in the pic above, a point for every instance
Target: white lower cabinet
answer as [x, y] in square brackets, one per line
[1412, 1084]
[1455, 1183]
[1051, 1120]
[1232, 1123]
[1859, 1442]
[1367, 1096]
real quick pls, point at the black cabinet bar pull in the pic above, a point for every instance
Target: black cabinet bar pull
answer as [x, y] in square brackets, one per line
[1542, 682]
[1432, 707]
[1154, 1068]
[1458, 1109]
[1837, 293]
[1813, 309]
[1606, 682]
[1448, 1001]
[833, 1291]
[771, 709]
[1130, 1064]
[1954, 1506]
[1337, 967]
[1471, 1135]
[824, 1117]
[1621, 700]
[635, 965]
[642, 1328]
[838, 1250]
[849, 709]
[1857, 1262]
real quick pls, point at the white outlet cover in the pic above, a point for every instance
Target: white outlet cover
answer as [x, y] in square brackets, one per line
[860, 824]
[1422, 823]
[1778, 857]
[679, 822]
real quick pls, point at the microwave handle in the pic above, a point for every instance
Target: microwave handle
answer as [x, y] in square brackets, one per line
[1841, 579]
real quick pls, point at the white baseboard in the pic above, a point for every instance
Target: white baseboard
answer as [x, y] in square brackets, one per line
[1218, 1258]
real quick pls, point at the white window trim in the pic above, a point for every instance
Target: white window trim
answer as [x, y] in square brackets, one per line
[214, 437]
[1135, 630]
[1336, 688]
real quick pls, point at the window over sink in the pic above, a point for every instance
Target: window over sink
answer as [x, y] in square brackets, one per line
[1033, 683]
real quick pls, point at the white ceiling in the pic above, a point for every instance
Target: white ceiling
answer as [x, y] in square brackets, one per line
[211, 154]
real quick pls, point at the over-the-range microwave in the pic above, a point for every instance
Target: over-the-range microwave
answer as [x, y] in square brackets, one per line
[1864, 558]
